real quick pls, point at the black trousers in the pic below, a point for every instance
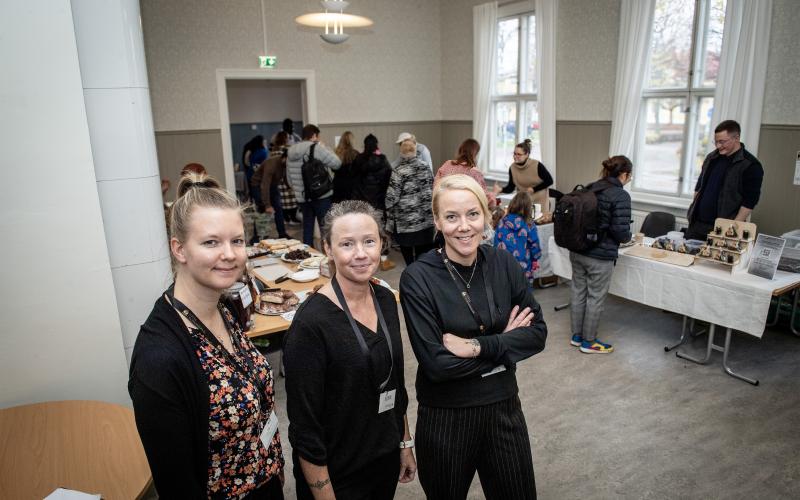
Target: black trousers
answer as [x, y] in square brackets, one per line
[699, 230]
[454, 443]
[411, 253]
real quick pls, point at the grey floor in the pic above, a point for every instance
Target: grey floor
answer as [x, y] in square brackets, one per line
[642, 423]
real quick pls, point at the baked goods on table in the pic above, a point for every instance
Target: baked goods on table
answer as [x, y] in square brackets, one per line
[275, 301]
[296, 255]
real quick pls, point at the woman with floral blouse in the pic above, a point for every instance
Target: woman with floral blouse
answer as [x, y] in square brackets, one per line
[202, 393]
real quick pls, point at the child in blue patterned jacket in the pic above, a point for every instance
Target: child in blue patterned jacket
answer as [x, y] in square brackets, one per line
[517, 234]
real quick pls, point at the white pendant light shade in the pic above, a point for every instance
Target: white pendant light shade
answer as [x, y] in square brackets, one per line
[334, 20]
[320, 19]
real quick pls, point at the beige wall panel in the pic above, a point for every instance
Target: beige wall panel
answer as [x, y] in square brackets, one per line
[581, 147]
[453, 134]
[428, 133]
[778, 210]
[176, 149]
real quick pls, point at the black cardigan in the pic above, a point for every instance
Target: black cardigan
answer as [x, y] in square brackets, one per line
[331, 389]
[170, 401]
[432, 305]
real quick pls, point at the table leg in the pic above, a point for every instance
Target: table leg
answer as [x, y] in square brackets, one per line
[709, 348]
[680, 342]
[794, 311]
[725, 366]
[777, 312]
[695, 333]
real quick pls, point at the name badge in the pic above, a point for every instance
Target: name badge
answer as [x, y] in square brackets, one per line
[386, 401]
[269, 430]
[496, 369]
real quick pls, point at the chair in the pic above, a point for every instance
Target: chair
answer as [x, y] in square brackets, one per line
[658, 224]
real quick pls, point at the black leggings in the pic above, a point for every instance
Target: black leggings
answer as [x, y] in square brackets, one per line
[453, 443]
[410, 254]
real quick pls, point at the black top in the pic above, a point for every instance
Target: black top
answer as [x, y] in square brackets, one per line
[707, 203]
[370, 174]
[433, 305]
[542, 172]
[332, 388]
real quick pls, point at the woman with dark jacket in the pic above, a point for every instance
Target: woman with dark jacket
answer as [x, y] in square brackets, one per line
[591, 269]
[370, 175]
[202, 393]
[408, 204]
[471, 319]
[343, 178]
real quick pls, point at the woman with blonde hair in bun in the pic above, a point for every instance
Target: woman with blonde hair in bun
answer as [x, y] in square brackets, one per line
[202, 393]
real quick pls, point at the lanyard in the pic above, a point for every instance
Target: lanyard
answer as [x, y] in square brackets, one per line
[465, 294]
[250, 373]
[357, 330]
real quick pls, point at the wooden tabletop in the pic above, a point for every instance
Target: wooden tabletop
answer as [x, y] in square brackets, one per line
[89, 446]
[265, 325]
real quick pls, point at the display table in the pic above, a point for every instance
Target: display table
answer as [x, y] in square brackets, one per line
[703, 291]
[89, 446]
[545, 232]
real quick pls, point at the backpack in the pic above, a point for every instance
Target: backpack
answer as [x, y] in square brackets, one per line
[316, 178]
[576, 221]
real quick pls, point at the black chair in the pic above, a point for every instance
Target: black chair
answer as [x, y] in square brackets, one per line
[657, 224]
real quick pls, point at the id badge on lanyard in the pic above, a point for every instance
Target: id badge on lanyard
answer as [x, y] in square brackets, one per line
[269, 430]
[386, 398]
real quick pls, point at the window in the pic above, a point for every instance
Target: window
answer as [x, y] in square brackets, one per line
[675, 131]
[514, 110]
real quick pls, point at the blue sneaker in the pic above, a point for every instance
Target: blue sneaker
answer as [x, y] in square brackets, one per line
[596, 347]
[577, 340]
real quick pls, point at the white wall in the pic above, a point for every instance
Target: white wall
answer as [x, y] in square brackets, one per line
[782, 93]
[60, 335]
[390, 72]
[264, 101]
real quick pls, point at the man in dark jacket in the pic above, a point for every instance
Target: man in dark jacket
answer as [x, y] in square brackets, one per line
[729, 185]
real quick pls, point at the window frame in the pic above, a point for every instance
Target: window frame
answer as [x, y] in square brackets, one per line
[522, 13]
[692, 93]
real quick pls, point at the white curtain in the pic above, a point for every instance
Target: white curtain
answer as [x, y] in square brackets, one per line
[743, 67]
[546, 12]
[484, 23]
[636, 21]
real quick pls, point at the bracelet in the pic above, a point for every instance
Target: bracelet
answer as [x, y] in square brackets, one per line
[407, 444]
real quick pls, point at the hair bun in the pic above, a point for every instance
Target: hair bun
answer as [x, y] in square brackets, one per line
[527, 141]
[194, 180]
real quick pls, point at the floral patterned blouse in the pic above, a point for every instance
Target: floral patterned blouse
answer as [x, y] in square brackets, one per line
[238, 460]
[522, 240]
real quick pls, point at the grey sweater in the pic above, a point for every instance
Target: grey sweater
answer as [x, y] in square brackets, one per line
[298, 154]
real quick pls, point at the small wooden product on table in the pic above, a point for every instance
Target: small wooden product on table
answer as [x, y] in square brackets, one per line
[729, 244]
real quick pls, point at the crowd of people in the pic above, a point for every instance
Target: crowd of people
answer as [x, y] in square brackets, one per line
[203, 395]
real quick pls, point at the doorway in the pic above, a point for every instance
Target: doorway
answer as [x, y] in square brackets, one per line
[253, 102]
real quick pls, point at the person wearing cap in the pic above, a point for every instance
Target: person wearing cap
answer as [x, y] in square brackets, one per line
[423, 153]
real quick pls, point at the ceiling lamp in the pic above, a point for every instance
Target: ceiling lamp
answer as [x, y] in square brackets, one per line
[334, 20]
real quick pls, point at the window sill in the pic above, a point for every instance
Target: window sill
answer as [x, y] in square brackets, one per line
[661, 200]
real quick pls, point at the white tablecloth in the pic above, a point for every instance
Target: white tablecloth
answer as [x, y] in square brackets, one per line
[704, 290]
[545, 232]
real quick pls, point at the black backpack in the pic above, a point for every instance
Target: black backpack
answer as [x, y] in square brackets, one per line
[316, 178]
[576, 221]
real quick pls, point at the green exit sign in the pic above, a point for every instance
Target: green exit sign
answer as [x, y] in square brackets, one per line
[267, 61]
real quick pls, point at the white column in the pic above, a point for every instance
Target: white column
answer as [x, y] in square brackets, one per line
[117, 97]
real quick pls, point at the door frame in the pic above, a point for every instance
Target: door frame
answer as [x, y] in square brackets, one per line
[308, 98]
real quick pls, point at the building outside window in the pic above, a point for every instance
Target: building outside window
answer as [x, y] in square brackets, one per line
[675, 131]
[514, 106]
